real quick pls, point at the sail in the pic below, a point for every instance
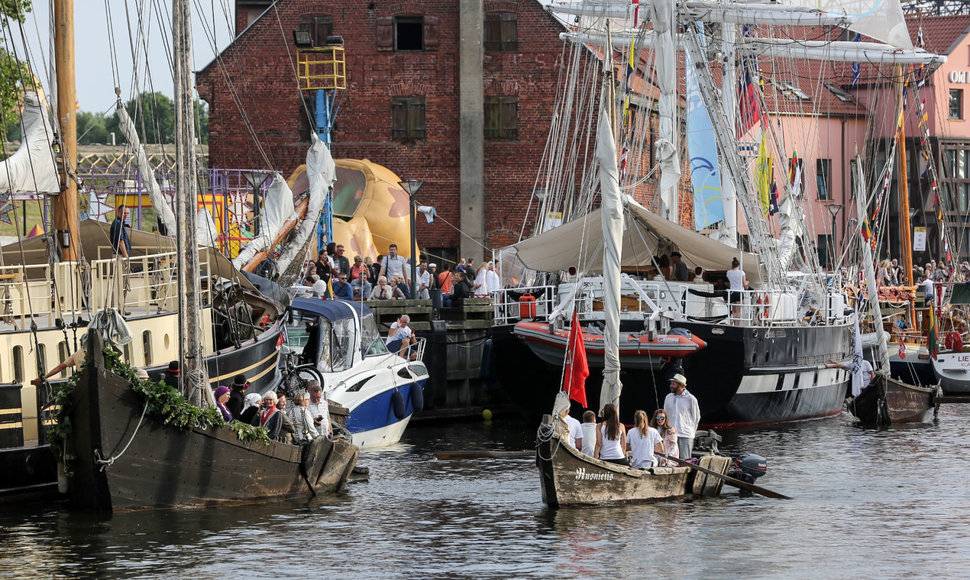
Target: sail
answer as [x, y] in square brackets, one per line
[32, 169]
[879, 19]
[162, 210]
[705, 175]
[277, 208]
[662, 16]
[321, 174]
[612, 224]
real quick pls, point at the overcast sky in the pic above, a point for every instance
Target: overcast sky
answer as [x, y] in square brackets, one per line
[95, 80]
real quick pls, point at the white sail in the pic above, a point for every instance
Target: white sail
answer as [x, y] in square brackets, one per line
[662, 16]
[879, 19]
[322, 174]
[32, 169]
[205, 228]
[277, 208]
[612, 223]
[162, 210]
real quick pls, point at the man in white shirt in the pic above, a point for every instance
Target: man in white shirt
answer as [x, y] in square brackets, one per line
[575, 431]
[319, 409]
[683, 414]
[394, 265]
[424, 281]
[399, 337]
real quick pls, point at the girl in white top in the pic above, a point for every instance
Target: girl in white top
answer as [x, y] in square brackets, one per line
[738, 282]
[643, 442]
[611, 438]
[481, 281]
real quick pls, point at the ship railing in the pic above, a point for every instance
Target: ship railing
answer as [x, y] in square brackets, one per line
[25, 295]
[414, 351]
[511, 305]
[145, 283]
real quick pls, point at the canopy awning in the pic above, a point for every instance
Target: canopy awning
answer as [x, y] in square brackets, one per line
[332, 310]
[579, 244]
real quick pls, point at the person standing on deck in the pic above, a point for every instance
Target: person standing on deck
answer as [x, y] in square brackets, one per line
[680, 268]
[118, 234]
[683, 414]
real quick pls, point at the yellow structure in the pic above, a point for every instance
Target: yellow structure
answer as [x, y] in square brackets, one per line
[322, 68]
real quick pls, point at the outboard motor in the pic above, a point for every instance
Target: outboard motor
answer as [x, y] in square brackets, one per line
[749, 468]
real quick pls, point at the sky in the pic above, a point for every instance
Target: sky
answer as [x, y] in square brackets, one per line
[95, 79]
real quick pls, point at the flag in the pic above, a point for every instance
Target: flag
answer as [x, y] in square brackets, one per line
[748, 99]
[931, 331]
[857, 66]
[763, 176]
[902, 348]
[773, 200]
[576, 370]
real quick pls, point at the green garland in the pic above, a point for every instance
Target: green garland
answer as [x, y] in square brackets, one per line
[163, 401]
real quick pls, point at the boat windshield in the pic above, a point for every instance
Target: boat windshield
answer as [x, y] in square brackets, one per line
[343, 339]
[371, 343]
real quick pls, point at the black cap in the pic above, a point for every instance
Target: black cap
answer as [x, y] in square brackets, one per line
[173, 367]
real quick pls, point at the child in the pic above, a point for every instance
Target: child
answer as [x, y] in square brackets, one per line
[589, 432]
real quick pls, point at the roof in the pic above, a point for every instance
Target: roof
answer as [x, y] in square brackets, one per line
[941, 34]
[332, 310]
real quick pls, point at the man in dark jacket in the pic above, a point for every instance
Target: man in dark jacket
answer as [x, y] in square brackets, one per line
[237, 395]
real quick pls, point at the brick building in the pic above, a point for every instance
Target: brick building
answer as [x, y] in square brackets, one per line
[456, 94]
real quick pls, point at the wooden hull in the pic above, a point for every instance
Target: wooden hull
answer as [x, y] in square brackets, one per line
[888, 401]
[158, 465]
[571, 478]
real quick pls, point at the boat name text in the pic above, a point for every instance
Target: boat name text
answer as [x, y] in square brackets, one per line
[582, 475]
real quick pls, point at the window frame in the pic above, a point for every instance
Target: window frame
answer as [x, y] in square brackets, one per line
[501, 31]
[823, 179]
[506, 126]
[408, 19]
[959, 105]
[414, 116]
[312, 24]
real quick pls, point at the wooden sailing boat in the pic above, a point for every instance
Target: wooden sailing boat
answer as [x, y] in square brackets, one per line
[124, 458]
[568, 476]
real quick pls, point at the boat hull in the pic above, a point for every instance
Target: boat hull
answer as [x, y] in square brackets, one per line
[372, 419]
[749, 376]
[151, 464]
[570, 478]
[888, 401]
[952, 369]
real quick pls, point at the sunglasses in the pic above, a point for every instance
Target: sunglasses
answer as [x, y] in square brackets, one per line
[660, 417]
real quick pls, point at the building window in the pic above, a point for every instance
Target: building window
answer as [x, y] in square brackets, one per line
[823, 178]
[501, 31]
[407, 118]
[956, 103]
[320, 26]
[409, 33]
[824, 248]
[502, 117]
[852, 172]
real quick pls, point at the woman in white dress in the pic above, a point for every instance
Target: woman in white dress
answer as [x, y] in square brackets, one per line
[611, 438]
[643, 441]
[481, 281]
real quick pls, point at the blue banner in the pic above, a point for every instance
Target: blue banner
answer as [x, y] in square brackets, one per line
[705, 175]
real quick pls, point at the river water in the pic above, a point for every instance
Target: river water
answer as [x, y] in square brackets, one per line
[867, 504]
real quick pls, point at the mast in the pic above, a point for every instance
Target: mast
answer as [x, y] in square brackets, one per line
[66, 217]
[729, 84]
[905, 239]
[192, 381]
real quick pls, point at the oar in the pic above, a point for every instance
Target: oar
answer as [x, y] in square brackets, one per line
[728, 479]
[484, 454]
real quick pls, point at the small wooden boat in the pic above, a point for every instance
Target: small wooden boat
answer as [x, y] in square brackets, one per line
[121, 458]
[888, 401]
[638, 350]
[569, 477]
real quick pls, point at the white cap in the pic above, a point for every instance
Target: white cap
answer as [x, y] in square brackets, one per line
[679, 378]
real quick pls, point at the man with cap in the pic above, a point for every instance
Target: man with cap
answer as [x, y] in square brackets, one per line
[680, 268]
[237, 395]
[683, 414]
[171, 377]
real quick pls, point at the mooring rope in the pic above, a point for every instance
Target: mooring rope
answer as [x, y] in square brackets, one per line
[104, 463]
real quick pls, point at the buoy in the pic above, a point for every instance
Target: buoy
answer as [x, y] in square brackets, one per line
[953, 341]
[487, 414]
[397, 405]
[417, 398]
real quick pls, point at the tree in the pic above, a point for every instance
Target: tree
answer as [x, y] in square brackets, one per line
[13, 73]
[202, 121]
[91, 128]
[154, 117]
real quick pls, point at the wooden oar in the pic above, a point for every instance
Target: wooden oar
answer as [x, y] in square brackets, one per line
[728, 479]
[484, 454]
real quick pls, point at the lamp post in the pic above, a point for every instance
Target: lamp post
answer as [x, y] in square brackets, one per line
[411, 187]
[834, 209]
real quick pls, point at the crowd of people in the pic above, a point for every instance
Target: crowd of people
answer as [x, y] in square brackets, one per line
[890, 273]
[332, 276]
[668, 432]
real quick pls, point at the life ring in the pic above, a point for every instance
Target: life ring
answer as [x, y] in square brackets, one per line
[765, 305]
[417, 398]
[397, 405]
[953, 341]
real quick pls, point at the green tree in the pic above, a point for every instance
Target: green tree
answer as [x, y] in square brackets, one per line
[13, 73]
[154, 117]
[91, 128]
[202, 121]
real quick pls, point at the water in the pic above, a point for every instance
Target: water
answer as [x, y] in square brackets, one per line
[866, 504]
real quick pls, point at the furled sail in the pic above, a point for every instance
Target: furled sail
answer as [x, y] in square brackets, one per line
[162, 210]
[321, 174]
[32, 168]
[277, 208]
[662, 16]
[612, 223]
[879, 19]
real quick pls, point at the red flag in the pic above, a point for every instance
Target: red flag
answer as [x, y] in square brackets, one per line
[576, 371]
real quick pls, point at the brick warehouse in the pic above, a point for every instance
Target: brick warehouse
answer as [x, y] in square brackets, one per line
[397, 51]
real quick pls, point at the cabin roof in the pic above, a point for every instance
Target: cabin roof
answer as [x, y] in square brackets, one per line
[332, 310]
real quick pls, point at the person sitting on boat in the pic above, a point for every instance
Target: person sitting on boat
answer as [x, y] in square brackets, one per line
[250, 408]
[683, 413]
[222, 397]
[237, 395]
[319, 409]
[643, 441]
[589, 432]
[884, 274]
[680, 268]
[302, 419]
[287, 429]
[269, 416]
[859, 369]
[611, 438]
[738, 282]
[342, 289]
[667, 433]
[400, 336]
[927, 285]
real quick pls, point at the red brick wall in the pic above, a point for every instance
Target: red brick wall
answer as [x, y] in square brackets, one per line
[261, 72]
